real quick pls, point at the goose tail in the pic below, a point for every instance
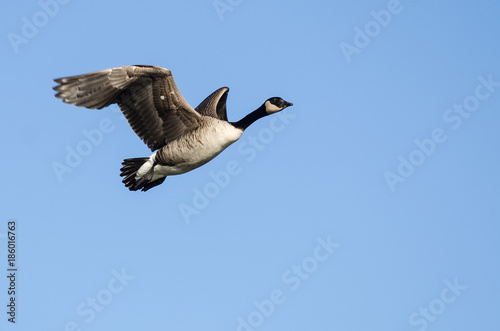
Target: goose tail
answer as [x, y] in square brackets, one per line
[129, 171]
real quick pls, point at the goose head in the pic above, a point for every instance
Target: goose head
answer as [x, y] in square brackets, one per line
[276, 104]
[271, 106]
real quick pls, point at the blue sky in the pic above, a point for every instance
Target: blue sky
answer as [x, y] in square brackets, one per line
[371, 204]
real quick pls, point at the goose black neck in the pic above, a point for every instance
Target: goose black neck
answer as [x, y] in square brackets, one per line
[246, 121]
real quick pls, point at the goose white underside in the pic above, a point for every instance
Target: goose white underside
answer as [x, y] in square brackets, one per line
[159, 171]
[208, 145]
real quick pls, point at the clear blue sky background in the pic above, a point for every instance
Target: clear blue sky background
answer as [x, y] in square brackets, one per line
[415, 228]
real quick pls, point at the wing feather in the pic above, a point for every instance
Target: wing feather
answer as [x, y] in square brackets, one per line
[215, 104]
[147, 96]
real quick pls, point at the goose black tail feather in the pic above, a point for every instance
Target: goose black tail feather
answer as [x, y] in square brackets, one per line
[129, 170]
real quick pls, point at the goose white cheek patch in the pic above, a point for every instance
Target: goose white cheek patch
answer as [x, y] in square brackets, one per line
[271, 109]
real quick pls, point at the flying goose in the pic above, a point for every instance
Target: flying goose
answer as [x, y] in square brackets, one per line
[180, 137]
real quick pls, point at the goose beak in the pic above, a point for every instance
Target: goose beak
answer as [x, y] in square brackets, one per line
[288, 104]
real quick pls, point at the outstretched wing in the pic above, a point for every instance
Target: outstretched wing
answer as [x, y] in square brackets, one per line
[215, 104]
[146, 95]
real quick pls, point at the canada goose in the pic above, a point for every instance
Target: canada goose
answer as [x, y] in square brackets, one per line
[181, 138]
